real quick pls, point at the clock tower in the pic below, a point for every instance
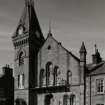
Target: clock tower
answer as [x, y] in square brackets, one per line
[27, 40]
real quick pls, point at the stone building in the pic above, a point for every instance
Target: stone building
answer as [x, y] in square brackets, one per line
[7, 86]
[46, 73]
[95, 81]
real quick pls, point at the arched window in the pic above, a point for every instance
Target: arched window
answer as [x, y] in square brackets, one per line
[21, 81]
[72, 99]
[42, 76]
[65, 99]
[21, 59]
[48, 99]
[55, 74]
[69, 77]
[49, 73]
[59, 77]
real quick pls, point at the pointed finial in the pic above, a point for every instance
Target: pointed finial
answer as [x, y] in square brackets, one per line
[50, 26]
[83, 49]
[95, 48]
[49, 33]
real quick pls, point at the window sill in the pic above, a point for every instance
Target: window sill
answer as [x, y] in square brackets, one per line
[21, 88]
[100, 93]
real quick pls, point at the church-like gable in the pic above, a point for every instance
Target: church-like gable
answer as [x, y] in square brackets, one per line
[54, 54]
[59, 80]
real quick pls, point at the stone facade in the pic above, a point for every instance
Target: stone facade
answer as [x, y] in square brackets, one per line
[65, 61]
[46, 73]
[61, 58]
[43, 67]
[93, 97]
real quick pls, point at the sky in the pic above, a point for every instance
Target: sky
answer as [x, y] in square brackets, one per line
[72, 21]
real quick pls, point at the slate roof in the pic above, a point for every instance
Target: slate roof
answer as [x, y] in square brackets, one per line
[96, 69]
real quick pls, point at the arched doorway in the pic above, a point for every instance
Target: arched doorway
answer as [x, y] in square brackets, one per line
[20, 102]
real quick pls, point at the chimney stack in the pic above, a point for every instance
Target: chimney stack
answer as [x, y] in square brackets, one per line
[96, 58]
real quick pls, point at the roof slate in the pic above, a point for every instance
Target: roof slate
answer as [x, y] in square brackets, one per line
[95, 69]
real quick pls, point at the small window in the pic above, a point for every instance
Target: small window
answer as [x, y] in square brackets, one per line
[100, 85]
[21, 81]
[21, 59]
[49, 47]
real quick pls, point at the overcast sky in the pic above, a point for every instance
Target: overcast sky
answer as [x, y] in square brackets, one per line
[72, 22]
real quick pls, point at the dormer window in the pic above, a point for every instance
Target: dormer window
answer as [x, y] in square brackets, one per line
[20, 30]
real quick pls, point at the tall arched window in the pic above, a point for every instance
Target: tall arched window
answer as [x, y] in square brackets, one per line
[42, 76]
[69, 77]
[49, 74]
[21, 59]
[21, 80]
[72, 99]
[55, 74]
[65, 99]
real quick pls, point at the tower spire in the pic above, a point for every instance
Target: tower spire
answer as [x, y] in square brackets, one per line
[29, 21]
[83, 49]
[50, 26]
[95, 48]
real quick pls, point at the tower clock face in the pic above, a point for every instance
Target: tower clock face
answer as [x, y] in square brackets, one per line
[20, 30]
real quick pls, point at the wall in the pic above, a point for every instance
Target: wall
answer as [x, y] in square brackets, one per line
[59, 57]
[92, 97]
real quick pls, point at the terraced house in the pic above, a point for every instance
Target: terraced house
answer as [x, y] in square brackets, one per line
[46, 73]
